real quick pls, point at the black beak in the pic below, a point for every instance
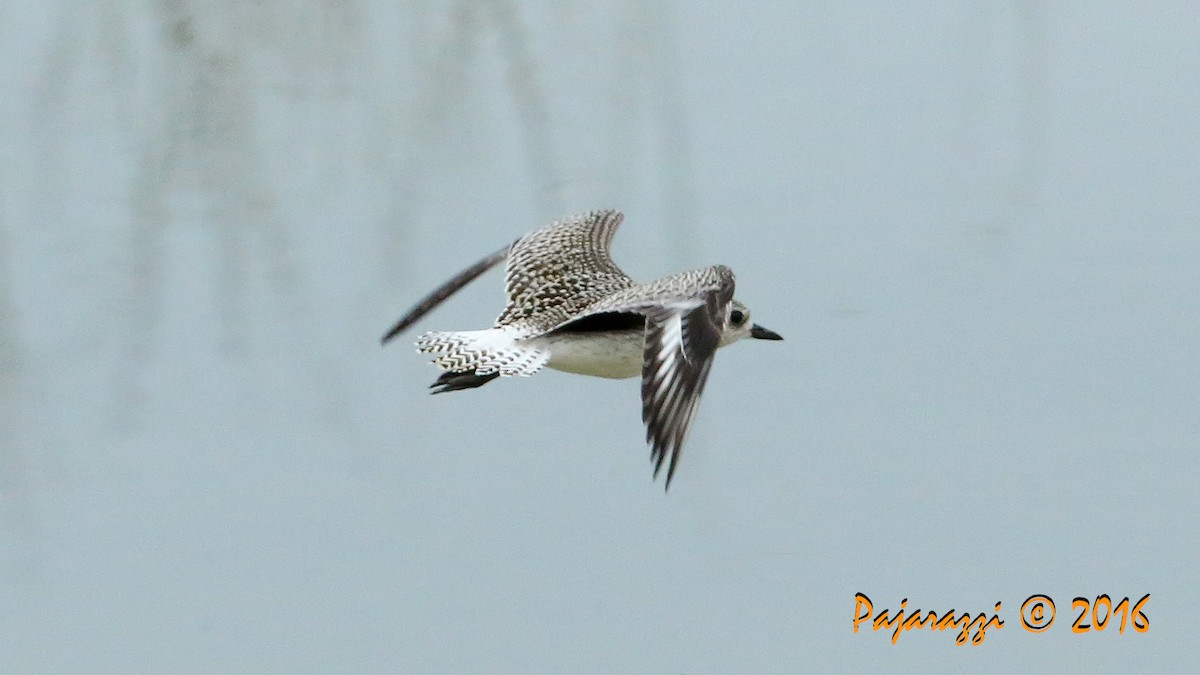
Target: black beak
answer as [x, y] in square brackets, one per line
[757, 331]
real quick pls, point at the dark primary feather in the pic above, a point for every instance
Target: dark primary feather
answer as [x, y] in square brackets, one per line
[443, 292]
[685, 315]
[451, 381]
[678, 356]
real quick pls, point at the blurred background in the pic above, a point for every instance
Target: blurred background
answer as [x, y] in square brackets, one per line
[977, 225]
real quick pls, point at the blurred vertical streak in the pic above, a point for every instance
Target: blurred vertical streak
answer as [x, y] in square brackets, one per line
[157, 169]
[72, 47]
[343, 67]
[649, 90]
[229, 190]
[16, 515]
[439, 60]
[403, 180]
[82, 38]
[443, 59]
[115, 41]
[537, 131]
[338, 63]
[86, 35]
[205, 133]
[674, 134]
[240, 202]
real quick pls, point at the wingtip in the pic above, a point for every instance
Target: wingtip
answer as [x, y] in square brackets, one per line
[658, 456]
[393, 332]
[670, 471]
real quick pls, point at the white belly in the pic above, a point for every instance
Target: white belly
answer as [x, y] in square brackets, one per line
[614, 355]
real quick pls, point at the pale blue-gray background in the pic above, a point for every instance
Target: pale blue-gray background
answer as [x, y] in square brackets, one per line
[976, 223]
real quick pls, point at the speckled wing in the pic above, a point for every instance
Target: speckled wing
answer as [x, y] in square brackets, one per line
[685, 315]
[443, 292]
[556, 272]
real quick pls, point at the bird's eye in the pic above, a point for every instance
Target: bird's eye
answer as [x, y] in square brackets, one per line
[737, 317]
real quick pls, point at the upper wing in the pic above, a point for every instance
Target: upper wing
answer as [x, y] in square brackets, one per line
[685, 314]
[443, 292]
[558, 271]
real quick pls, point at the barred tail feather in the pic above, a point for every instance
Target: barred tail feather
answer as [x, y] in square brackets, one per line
[485, 352]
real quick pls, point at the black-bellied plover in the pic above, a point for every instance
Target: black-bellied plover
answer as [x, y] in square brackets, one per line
[572, 309]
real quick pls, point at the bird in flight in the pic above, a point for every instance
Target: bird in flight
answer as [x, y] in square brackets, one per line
[572, 309]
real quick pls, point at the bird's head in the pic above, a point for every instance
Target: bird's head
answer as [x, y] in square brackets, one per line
[738, 325]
